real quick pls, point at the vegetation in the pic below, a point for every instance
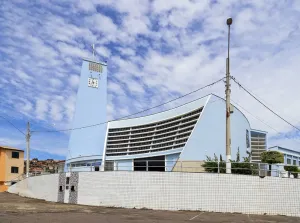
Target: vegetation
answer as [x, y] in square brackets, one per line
[211, 164]
[292, 170]
[237, 167]
[272, 157]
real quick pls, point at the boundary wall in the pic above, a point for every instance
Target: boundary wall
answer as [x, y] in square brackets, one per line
[168, 191]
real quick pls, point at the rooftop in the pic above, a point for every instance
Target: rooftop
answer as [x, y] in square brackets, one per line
[286, 149]
[10, 148]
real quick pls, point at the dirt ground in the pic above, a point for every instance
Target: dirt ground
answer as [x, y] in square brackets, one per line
[15, 209]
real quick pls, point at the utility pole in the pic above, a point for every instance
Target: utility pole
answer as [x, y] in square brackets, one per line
[228, 109]
[28, 135]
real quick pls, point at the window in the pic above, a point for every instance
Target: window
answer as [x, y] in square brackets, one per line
[15, 155]
[67, 187]
[294, 162]
[96, 168]
[288, 161]
[60, 188]
[67, 180]
[72, 188]
[109, 166]
[14, 169]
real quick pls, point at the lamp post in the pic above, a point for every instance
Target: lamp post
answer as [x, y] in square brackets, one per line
[228, 110]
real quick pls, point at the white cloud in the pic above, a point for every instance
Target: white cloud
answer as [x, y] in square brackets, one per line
[103, 51]
[156, 50]
[101, 23]
[72, 51]
[56, 111]
[56, 83]
[74, 80]
[41, 108]
[4, 141]
[116, 88]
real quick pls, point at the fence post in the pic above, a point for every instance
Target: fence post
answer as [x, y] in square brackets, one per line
[218, 167]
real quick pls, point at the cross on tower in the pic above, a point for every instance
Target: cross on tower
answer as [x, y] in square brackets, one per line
[93, 48]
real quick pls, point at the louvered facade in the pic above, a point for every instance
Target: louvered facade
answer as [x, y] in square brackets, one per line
[189, 132]
[165, 135]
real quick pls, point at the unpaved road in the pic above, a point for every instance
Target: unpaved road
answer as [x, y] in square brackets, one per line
[15, 209]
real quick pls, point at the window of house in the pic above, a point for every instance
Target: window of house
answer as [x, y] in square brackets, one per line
[294, 162]
[67, 180]
[288, 161]
[14, 169]
[15, 155]
[72, 188]
[60, 188]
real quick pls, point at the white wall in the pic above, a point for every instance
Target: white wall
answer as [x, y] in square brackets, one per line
[191, 191]
[175, 191]
[41, 187]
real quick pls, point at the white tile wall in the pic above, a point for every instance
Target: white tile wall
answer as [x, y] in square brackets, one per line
[191, 191]
[41, 187]
[175, 191]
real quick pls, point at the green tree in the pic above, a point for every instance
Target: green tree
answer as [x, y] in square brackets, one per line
[238, 155]
[215, 158]
[271, 157]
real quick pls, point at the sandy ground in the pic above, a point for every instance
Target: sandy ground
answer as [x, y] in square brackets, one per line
[15, 209]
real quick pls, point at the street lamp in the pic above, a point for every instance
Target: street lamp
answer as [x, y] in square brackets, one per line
[228, 111]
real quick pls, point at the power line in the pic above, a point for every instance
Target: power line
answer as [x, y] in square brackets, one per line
[264, 104]
[23, 115]
[12, 124]
[88, 126]
[261, 120]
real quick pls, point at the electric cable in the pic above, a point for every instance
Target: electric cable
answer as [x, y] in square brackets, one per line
[102, 123]
[264, 104]
[12, 125]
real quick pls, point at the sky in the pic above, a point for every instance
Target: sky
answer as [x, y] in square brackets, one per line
[156, 51]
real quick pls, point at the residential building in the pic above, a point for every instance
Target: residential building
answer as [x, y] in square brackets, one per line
[258, 144]
[38, 167]
[11, 166]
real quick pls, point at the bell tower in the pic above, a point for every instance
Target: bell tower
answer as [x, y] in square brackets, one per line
[87, 139]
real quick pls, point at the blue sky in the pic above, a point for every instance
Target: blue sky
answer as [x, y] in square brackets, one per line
[156, 50]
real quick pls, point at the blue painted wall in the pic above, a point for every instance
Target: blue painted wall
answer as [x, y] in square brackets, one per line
[90, 109]
[208, 136]
[124, 165]
[288, 154]
[171, 161]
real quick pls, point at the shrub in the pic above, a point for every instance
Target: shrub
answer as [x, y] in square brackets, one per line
[293, 170]
[211, 165]
[237, 167]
